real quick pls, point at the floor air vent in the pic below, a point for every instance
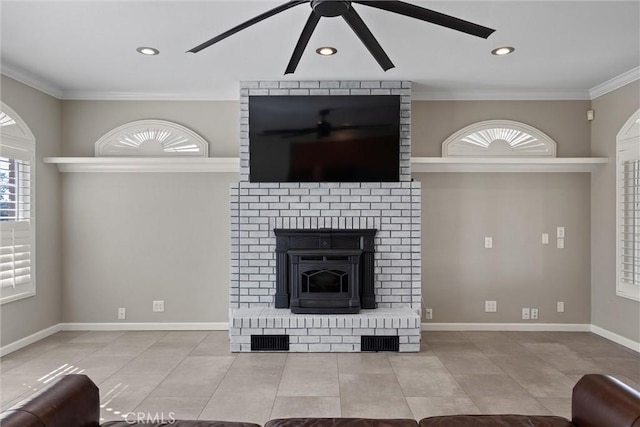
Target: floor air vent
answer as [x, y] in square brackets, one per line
[269, 342]
[379, 343]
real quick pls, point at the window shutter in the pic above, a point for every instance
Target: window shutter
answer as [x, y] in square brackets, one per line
[17, 194]
[629, 211]
[15, 258]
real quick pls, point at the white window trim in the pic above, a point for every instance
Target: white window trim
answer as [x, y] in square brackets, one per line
[627, 147]
[20, 138]
[130, 140]
[455, 146]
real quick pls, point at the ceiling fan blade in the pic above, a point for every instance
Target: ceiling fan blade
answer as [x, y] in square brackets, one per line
[362, 31]
[248, 23]
[428, 15]
[302, 42]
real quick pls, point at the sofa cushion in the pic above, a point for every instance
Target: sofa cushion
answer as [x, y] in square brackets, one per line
[495, 421]
[179, 423]
[340, 422]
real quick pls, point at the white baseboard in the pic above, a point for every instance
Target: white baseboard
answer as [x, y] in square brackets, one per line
[23, 342]
[618, 339]
[224, 326]
[141, 326]
[541, 327]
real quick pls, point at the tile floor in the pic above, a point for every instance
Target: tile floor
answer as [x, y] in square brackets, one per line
[193, 375]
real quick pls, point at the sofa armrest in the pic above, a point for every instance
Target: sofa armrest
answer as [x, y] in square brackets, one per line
[600, 400]
[73, 401]
[18, 418]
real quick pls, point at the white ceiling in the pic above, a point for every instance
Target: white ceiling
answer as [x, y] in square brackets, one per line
[86, 49]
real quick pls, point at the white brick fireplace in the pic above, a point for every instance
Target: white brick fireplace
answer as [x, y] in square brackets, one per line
[393, 208]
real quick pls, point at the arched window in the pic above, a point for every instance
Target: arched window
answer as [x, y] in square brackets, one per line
[17, 196]
[499, 138]
[628, 209]
[152, 138]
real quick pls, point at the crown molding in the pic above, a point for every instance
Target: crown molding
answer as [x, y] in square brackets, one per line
[495, 95]
[30, 80]
[615, 83]
[78, 95]
[417, 95]
[48, 88]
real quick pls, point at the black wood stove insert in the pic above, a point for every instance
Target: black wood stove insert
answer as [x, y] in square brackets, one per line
[324, 271]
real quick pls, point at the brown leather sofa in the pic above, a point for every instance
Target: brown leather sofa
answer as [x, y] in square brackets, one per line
[74, 401]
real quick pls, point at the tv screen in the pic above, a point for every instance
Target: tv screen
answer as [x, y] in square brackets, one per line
[352, 138]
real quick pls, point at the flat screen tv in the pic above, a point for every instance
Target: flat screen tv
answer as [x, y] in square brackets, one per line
[353, 138]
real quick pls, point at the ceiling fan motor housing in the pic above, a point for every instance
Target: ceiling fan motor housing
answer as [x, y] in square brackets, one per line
[330, 8]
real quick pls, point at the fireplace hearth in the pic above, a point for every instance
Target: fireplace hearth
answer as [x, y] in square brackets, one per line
[324, 271]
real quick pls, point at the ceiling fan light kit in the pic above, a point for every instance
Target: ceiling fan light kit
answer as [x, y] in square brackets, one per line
[345, 9]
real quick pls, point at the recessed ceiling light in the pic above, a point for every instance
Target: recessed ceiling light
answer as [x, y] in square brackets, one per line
[501, 51]
[326, 51]
[147, 51]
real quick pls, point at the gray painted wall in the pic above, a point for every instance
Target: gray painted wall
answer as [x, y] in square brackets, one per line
[563, 121]
[101, 211]
[133, 238]
[459, 210]
[459, 274]
[609, 311]
[42, 114]
[129, 238]
[86, 121]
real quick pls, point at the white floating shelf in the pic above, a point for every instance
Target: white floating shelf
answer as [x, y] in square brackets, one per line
[146, 164]
[418, 164]
[506, 164]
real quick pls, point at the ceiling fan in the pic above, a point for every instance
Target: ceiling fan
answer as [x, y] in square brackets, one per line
[332, 8]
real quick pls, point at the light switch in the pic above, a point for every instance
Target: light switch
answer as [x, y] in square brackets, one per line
[560, 243]
[545, 238]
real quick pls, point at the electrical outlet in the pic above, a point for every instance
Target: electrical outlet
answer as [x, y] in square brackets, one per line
[488, 242]
[560, 306]
[560, 232]
[525, 314]
[428, 313]
[545, 238]
[490, 306]
[534, 314]
[122, 313]
[158, 306]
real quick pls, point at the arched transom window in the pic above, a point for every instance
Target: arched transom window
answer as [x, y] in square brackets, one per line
[499, 138]
[6, 120]
[152, 138]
